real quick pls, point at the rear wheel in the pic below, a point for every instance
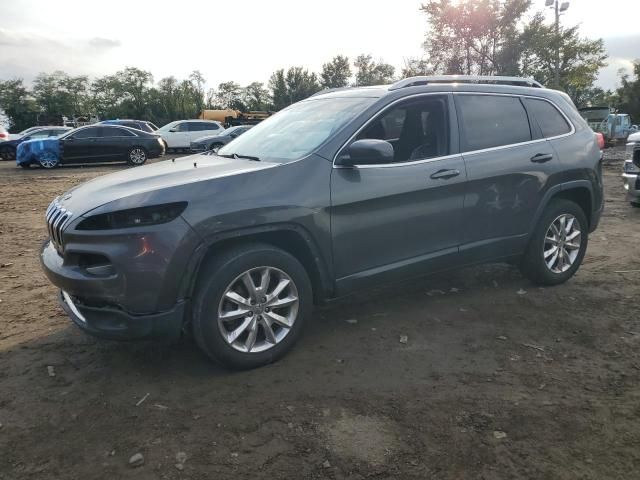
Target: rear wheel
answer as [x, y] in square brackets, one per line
[25, 165]
[250, 306]
[137, 156]
[48, 159]
[558, 244]
[635, 204]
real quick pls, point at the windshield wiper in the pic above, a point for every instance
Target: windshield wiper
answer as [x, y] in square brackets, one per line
[236, 155]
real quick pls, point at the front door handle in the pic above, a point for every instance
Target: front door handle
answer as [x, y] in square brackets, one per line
[542, 157]
[445, 174]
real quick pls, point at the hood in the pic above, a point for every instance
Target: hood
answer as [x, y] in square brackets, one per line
[208, 137]
[143, 180]
[634, 137]
[37, 145]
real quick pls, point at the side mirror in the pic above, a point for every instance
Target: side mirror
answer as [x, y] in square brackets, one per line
[173, 130]
[366, 151]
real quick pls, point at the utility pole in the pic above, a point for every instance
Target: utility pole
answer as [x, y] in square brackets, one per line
[556, 73]
[559, 7]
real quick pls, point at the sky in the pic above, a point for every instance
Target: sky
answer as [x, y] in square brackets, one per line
[246, 40]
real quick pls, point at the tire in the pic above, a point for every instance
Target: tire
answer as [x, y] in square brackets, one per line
[48, 159]
[7, 153]
[214, 147]
[550, 270]
[26, 166]
[137, 156]
[634, 204]
[226, 274]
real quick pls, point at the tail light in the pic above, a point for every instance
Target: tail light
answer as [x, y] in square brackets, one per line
[600, 138]
[4, 136]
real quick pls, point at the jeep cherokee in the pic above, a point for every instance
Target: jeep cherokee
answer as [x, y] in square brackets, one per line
[349, 188]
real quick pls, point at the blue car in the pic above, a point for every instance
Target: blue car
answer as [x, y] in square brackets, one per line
[8, 148]
[43, 151]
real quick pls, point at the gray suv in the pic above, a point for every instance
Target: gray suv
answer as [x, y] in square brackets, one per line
[347, 189]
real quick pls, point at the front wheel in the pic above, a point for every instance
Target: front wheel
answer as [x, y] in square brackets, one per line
[250, 306]
[635, 204]
[558, 244]
[48, 159]
[137, 156]
[26, 165]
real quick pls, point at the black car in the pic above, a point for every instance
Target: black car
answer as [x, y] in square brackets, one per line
[344, 190]
[8, 148]
[137, 124]
[93, 143]
[214, 142]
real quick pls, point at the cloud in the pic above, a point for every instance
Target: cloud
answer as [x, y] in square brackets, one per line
[104, 43]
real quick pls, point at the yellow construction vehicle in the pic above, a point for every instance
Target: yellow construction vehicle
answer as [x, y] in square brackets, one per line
[231, 118]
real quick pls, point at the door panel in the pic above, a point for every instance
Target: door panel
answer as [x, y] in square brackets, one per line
[507, 173]
[383, 216]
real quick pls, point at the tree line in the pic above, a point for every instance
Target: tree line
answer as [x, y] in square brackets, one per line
[474, 37]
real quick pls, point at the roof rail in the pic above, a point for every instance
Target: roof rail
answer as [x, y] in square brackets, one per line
[494, 80]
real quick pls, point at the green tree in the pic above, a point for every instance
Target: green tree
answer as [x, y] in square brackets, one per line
[278, 87]
[628, 95]
[18, 105]
[301, 84]
[415, 67]
[473, 37]
[229, 95]
[580, 59]
[336, 73]
[369, 72]
[255, 96]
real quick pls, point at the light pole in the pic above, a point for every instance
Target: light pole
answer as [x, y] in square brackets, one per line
[558, 8]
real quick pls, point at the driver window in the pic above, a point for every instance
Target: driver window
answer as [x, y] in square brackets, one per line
[417, 129]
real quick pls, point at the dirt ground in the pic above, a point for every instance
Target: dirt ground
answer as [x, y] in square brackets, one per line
[498, 379]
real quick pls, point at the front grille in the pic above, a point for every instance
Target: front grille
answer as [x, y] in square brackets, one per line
[57, 219]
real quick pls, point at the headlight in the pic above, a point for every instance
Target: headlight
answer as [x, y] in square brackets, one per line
[134, 217]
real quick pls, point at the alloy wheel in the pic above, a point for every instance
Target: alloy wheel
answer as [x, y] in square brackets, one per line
[137, 156]
[562, 243]
[258, 309]
[48, 159]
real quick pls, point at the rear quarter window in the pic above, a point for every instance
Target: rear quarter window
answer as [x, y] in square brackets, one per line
[550, 120]
[488, 121]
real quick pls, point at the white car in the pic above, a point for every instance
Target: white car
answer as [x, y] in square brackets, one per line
[181, 133]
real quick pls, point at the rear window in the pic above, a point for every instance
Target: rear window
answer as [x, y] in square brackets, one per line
[550, 120]
[488, 121]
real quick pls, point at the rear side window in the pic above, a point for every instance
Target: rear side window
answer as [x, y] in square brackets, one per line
[90, 132]
[488, 121]
[208, 126]
[550, 120]
[116, 132]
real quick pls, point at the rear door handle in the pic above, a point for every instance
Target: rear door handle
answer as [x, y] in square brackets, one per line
[542, 157]
[445, 174]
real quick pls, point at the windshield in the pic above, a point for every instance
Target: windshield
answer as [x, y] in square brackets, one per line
[297, 130]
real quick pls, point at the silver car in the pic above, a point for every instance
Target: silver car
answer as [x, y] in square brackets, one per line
[631, 171]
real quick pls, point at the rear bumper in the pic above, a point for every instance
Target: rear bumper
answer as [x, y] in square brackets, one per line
[114, 324]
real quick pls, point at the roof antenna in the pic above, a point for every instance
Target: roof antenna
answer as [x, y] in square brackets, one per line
[195, 165]
[173, 160]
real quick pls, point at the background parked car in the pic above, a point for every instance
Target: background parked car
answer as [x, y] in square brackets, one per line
[4, 136]
[8, 148]
[181, 133]
[214, 142]
[14, 136]
[94, 143]
[137, 124]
